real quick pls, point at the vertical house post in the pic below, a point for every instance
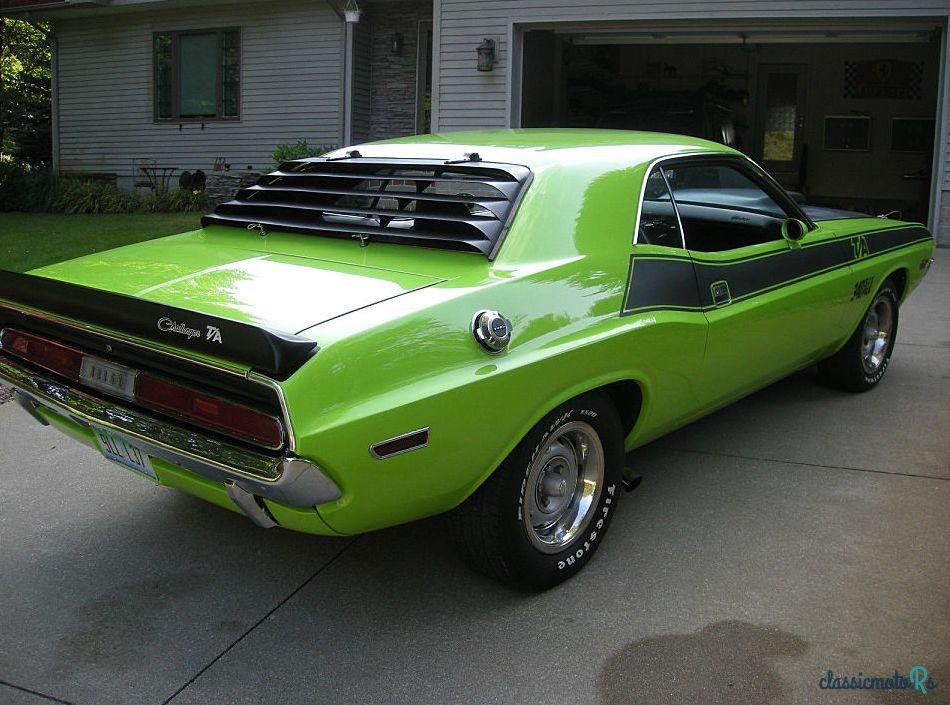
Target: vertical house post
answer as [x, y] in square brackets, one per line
[348, 86]
[346, 92]
[515, 77]
[436, 63]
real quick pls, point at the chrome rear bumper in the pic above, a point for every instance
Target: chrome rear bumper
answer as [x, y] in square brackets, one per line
[288, 480]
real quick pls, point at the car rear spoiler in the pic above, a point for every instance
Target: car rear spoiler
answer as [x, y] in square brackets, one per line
[274, 353]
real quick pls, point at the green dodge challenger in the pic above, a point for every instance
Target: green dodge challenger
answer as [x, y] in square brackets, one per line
[477, 323]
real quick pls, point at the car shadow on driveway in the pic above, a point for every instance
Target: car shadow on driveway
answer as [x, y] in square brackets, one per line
[728, 663]
[899, 427]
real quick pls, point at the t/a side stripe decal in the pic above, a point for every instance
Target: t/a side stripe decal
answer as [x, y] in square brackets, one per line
[886, 240]
[675, 282]
[654, 282]
[755, 276]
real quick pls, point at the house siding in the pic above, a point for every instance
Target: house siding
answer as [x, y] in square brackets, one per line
[106, 101]
[465, 99]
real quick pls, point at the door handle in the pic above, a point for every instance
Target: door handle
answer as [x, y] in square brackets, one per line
[720, 293]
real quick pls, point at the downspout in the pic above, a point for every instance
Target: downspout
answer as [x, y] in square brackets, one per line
[346, 133]
[348, 86]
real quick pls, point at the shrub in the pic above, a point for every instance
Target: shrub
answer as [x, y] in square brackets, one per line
[174, 200]
[84, 196]
[22, 189]
[25, 189]
[301, 150]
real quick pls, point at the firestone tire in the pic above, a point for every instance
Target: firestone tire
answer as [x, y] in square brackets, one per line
[539, 518]
[864, 359]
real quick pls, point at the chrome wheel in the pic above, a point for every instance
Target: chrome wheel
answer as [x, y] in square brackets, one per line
[876, 336]
[563, 486]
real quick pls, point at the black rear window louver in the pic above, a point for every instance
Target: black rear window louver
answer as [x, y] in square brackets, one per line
[456, 206]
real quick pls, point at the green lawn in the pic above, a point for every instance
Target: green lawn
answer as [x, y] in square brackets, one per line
[30, 240]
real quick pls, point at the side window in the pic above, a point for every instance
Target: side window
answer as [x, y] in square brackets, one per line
[721, 208]
[658, 222]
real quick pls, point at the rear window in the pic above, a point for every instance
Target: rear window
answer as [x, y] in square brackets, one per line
[431, 204]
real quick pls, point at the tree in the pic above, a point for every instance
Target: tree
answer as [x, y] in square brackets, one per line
[25, 93]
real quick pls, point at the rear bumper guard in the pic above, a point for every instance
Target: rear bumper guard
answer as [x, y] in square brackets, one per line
[289, 480]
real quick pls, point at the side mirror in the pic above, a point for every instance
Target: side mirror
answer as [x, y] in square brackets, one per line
[794, 230]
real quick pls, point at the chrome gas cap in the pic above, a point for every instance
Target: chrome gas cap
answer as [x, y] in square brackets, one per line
[492, 331]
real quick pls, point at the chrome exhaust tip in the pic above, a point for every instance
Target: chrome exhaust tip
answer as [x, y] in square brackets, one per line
[29, 406]
[248, 503]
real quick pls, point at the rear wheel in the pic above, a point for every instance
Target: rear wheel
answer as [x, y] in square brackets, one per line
[541, 515]
[863, 360]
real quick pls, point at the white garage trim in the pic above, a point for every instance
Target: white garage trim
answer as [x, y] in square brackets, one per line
[940, 188]
[903, 31]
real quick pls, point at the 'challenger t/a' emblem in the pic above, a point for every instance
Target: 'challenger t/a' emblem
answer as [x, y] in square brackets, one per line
[212, 333]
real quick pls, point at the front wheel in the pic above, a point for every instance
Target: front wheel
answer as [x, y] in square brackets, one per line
[863, 360]
[541, 515]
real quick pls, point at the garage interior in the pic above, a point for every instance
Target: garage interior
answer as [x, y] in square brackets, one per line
[843, 114]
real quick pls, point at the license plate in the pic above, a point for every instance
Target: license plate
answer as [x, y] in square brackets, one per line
[108, 377]
[120, 451]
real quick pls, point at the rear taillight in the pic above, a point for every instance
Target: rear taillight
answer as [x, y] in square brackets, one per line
[211, 412]
[55, 357]
[205, 410]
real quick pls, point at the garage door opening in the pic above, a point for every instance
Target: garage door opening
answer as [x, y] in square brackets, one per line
[848, 119]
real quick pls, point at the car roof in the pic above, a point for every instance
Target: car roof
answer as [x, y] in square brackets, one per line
[539, 147]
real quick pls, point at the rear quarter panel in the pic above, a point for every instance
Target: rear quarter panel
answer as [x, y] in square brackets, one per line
[411, 362]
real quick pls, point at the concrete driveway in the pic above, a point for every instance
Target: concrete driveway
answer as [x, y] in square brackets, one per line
[798, 531]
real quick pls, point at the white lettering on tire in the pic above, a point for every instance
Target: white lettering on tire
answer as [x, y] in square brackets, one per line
[579, 553]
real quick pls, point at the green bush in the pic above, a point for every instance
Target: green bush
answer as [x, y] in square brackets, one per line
[301, 150]
[85, 196]
[175, 200]
[39, 191]
[25, 189]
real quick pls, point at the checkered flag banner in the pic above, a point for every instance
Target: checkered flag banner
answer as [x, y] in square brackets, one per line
[883, 79]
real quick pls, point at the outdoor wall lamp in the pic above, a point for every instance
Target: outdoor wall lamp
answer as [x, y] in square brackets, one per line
[395, 44]
[352, 12]
[486, 55]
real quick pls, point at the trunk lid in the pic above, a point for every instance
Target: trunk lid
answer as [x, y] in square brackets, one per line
[280, 292]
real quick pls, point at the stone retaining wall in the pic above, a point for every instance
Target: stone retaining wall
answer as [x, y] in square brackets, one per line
[222, 185]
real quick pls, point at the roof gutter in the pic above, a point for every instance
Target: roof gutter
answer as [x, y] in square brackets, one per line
[29, 10]
[25, 8]
[336, 10]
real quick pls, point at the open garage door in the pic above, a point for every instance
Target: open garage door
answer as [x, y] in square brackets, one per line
[843, 113]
